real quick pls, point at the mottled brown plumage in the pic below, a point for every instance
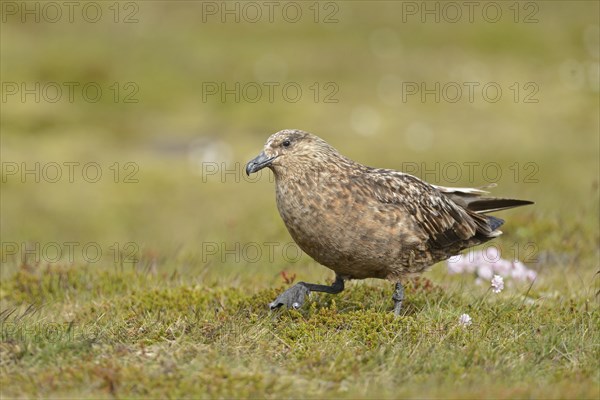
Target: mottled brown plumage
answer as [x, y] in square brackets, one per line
[365, 222]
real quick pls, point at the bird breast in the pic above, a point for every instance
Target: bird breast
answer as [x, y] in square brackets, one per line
[344, 228]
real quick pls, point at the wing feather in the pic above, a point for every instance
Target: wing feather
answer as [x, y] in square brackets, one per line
[443, 221]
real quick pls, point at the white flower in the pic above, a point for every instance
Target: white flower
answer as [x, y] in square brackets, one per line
[497, 283]
[465, 320]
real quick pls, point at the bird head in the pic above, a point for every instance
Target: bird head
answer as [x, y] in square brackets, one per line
[288, 148]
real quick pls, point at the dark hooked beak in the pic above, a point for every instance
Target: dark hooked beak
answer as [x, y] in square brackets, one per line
[261, 161]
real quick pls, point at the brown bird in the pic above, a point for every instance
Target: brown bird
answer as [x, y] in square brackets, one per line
[365, 222]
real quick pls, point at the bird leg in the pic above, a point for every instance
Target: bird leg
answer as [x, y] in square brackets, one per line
[294, 296]
[398, 297]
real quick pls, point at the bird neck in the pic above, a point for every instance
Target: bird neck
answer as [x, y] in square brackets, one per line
[314, 169]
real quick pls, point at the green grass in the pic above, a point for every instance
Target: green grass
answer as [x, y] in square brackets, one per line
[91, 333]
[160, 314]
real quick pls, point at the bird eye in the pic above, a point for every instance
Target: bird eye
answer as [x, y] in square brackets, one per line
[286, 143]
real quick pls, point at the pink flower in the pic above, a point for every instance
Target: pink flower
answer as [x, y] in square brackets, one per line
[497, 284]
[503, 267]
[487, 264]
[485, 272]
[531, 275]
[456, 264]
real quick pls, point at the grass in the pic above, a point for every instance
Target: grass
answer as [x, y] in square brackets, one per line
[175, 303]
[100, 333]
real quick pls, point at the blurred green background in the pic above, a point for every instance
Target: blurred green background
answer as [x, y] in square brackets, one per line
[181, 149]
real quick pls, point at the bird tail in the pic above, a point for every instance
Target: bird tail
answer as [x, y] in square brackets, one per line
[491, 204]
[478, 207]
[472, 200]
[488, 224]
[494, 222]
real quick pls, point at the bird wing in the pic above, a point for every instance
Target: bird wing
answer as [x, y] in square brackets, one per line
[442, 220]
